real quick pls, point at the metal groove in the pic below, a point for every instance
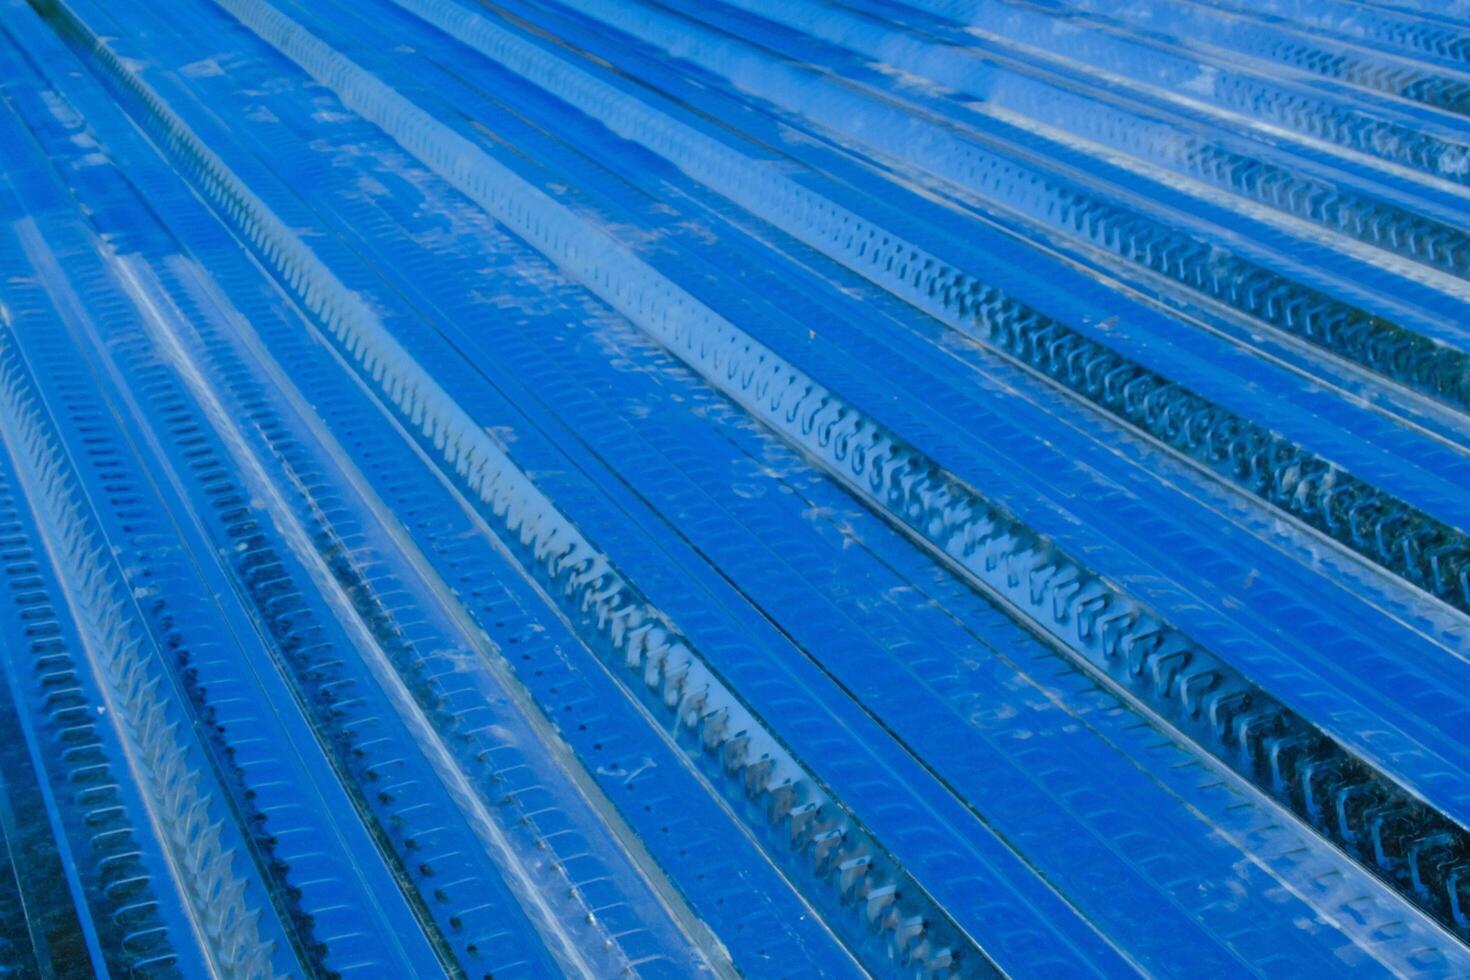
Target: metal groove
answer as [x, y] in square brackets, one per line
[838, 850]
[1370, 816]
[226, 922]
[1432, 554]
[828, 488]
[992, 164]
[1375, 130]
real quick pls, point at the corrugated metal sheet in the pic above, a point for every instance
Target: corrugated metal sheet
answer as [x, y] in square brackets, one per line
[772, 487]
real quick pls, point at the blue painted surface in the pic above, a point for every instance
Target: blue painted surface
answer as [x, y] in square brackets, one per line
[778, 488]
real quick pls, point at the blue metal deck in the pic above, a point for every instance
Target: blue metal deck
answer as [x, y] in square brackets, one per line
[781, 488]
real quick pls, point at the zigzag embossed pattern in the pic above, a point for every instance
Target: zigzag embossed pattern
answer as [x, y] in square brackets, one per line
[770, 488]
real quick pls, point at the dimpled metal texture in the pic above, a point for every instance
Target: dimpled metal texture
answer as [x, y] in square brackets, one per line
[766, 488]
